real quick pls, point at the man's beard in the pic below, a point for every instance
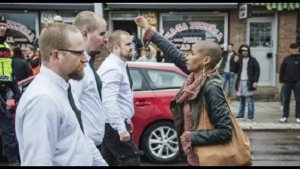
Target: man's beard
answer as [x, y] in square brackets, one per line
[128, 56]
[78, 74]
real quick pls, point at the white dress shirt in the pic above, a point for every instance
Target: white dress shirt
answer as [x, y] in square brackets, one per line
[47, 129]
[91, 105]
[117, 95]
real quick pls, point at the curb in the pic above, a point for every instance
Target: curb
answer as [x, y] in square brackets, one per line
[269, 126]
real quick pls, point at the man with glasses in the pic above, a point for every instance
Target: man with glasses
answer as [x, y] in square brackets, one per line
[88, 90]
[48, 119]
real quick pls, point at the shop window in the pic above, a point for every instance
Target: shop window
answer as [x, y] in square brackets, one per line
[21, 28]
[186, 29]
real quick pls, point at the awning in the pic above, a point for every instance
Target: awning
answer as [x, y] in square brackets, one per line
[279, 6]
[172, 6]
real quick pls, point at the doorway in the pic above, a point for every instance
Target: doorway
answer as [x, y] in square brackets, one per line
[128, 26]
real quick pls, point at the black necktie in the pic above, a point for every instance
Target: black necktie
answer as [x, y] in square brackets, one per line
[129, 76]
[97, 78]
[76, 111]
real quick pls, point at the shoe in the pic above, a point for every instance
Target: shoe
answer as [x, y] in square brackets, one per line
[249, 120]
[298, 120]
[239, 118]
[283, 120]
[17, 163]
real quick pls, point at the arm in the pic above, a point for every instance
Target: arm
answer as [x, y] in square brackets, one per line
[282, 71]
[97, 157]
[219, 116]
[256, 71]
[169, 49]
[40, 125]
[111, 80]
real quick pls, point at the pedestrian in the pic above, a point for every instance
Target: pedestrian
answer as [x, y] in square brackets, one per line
[48, 117]
[33, 59]
[227, 69]
[202, 88]
[57, 19]
[88, 90]
[8, 82]
[118, 146]
[21, 67]
[289, 79]
[248, 72]
[148, 56]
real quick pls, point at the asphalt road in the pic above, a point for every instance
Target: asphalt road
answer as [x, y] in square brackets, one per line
[268, 149]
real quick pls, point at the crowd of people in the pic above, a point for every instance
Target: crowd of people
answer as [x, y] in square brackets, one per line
[73, 114]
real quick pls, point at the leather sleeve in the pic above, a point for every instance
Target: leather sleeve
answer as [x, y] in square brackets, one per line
[219, 116]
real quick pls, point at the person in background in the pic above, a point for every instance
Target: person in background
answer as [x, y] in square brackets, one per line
[148, 56]
[289, 79]
[248, 72]
[137, 46]
[227, 67]
[33, 59]
[57, 19]
[21, 67]
[8, 81]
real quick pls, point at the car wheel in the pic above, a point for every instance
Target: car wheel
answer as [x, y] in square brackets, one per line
[160, 143]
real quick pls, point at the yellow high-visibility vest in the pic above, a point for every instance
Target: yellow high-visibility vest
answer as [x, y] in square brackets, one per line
[5, 63]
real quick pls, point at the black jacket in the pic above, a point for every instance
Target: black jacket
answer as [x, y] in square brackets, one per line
[253, 70]
[224, 61]
[290, 69]
[21, 68]
[215, 100]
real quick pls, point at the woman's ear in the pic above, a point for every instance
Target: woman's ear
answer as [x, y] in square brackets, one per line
[207, 60]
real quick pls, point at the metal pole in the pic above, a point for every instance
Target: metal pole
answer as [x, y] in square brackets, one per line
[98, 8]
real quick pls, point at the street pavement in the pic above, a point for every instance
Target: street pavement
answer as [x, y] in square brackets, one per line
[266, 117]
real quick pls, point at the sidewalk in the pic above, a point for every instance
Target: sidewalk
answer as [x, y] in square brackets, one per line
[266, 117]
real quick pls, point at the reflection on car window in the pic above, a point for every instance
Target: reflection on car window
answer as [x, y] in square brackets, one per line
[161, 79]
[137, 79]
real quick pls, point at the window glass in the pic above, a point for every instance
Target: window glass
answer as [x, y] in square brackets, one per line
[21, 28]
[186, 29]
[161, 79]
[137, 79]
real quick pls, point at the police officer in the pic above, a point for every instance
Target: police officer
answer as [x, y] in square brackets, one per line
[7, 80]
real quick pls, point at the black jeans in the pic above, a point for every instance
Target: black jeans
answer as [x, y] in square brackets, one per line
[288, 87]
[9, 139]
[115, 152]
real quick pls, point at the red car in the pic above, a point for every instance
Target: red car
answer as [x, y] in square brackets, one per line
[154, 85]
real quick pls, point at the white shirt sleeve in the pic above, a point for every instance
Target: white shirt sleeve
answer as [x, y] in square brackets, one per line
[111, 80]
[40, 131]
[97, 157]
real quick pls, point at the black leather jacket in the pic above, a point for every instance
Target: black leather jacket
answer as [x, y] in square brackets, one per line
[216, 105]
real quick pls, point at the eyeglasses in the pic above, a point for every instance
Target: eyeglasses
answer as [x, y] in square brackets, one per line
[75, 52]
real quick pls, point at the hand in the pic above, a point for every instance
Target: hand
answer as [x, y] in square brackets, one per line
[236, 58]
[142, 22]
[281, 84]
[131, 127]
[125, 136]
[255, 85]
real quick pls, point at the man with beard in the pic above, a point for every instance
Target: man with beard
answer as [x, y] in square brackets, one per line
[88, 90]
[118, 147]
[48, 119]
[8, 81]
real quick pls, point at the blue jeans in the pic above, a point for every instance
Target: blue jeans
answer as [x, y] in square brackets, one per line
[228, 76]
[287, 90]
[250, 107]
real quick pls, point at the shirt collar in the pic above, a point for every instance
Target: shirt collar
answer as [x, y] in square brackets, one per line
[54, 77]
[87, 56]
[118, 59]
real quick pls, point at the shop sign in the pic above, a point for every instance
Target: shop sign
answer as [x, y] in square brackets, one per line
[19, 33]
[245, 11]
[185, 35]
[47, 16]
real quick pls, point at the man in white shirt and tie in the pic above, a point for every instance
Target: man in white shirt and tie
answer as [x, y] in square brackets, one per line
[88, 90]
[48, 118]
[118, 147]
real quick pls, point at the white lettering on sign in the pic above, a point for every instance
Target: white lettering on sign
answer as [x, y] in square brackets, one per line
[21, 28]
[211, 28]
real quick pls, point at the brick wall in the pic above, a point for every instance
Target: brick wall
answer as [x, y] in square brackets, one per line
[237, 30]
[287, 25]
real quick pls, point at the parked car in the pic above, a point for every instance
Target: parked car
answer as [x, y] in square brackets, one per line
[154, 86]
